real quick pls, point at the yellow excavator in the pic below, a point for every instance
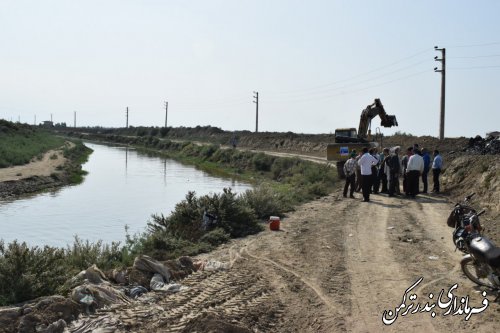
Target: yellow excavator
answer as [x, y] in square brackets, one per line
[347, 139]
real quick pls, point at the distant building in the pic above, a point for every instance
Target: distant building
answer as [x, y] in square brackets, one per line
[48, 123]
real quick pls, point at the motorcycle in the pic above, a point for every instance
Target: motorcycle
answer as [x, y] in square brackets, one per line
[481, 263]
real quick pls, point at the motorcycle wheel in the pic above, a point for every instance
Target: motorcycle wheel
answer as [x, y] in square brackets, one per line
[476, 272]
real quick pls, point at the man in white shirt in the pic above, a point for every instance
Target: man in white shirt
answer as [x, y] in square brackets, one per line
[414, 170]
[365, 162]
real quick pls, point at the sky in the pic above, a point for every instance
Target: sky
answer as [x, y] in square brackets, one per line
[316, 64]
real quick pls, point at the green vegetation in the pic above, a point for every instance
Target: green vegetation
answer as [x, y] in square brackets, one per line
[19, 143]
[77, 154]
[280, 184]
[30, 272]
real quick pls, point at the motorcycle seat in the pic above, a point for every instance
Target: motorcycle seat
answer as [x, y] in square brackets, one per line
[485, 250]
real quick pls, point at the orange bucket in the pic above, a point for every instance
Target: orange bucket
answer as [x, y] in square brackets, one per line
[274, 223]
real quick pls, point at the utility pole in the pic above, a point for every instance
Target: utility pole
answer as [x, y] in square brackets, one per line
[34, 124]
[166, 113]
[74, 120]
[51, 118]
[256, 96]
[126, 113]
[443, 84]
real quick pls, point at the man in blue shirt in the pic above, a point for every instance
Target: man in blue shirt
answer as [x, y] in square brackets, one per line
[437, 165]
[427, 164]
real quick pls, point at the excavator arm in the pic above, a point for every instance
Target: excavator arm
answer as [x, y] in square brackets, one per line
[371, 111]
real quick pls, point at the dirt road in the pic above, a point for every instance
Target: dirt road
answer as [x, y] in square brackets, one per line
[336, 265]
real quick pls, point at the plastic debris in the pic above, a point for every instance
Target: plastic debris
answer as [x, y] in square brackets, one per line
[158, 284]
[136, 291]
[213, 265]
[148, 264]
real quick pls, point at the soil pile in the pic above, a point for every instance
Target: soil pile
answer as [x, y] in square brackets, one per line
[489, 145]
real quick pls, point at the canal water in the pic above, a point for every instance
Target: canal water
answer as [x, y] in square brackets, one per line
[123, 188]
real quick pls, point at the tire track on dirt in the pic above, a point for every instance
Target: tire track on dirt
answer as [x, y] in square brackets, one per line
[374, 269]
[315, 289]
[305, 261]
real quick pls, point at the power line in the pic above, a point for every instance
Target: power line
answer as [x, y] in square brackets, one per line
[475, 45]
[212, 102]
[347, 86]
[209, 106]
[477, 57]
[475, 67]
[357, 75]
[341, 93]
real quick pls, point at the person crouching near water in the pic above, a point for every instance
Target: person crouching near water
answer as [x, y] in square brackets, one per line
[365, 162]
[350, 175]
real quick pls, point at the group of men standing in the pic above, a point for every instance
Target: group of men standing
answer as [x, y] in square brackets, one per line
[368, 170]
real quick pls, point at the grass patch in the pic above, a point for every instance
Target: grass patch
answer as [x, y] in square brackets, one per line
[19, 144]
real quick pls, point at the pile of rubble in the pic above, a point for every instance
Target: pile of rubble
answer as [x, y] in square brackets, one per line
[93, 290]
[488, 145]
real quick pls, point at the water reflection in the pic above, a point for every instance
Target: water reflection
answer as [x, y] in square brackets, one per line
[123, 187]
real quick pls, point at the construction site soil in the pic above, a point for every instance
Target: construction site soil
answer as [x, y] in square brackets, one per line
[336, 265]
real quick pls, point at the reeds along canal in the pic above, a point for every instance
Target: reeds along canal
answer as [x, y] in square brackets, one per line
[123, 188]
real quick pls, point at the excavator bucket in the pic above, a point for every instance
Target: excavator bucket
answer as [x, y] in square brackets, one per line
[389, 121]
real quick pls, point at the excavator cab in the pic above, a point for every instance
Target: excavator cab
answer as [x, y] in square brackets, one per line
[346, 135]
[347, 140]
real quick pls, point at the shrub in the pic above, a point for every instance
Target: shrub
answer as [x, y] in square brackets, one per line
[265, 201]
[141, 131]
[82, 254]
[163, 132]
[215, 237]
[27, 273]
[281, 167]
[234, 216]
[222, 156]
[262, 162]
[207, 151]
[184, 222]
[154, 131]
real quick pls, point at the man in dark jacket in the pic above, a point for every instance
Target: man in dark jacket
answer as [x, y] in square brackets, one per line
[381, 172]
[394, 171]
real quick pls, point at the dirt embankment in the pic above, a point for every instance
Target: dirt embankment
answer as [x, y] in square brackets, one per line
[40, 174]
[50, 163]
